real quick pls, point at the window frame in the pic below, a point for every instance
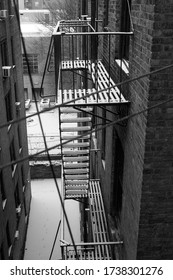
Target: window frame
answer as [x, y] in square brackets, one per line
[33, 63]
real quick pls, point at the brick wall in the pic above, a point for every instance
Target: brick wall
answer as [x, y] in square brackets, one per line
[132, 136]
[156, 220]
[42, 169]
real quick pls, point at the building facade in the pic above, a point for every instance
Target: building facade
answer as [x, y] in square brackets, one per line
[130, 156]
[37, 39]
[15, 192]
[134, 164]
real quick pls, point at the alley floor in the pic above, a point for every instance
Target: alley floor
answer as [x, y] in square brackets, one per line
[45, 215]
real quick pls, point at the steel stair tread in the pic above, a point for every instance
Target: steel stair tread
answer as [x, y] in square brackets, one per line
[76, 145]
[65, 110]
[75, 152]
[74, 187]
[69, 137]
[76, 159]
[73, 177]
[71, 192]
[75, 120]
[76, 182]
[75, 128]
[76, 171]
[75, 165]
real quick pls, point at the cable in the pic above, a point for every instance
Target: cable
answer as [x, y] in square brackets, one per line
[92, 131]
[55, 240]
[44, 139]
[88, 95]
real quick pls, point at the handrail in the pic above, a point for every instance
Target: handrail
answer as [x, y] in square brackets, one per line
[65, 244]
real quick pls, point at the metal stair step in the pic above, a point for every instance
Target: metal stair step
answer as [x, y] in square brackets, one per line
[76, 171]
[76, 159]
[75, 192]
[69, 137]
[76, 182]
[76, 145]
[78, 187]
[76, 177]
[75, 152]
[74, 110]
[75, 128]
[75, 120]
[76, 165]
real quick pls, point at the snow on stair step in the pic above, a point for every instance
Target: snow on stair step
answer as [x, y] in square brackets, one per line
[79, 187]
[75, 120]
[74, 145]
[69, 137]
[76, 165]
[76, 128]
[75, 152]
[76, 177]
[76, 171]
[75, 110]
[76, 192]
[76, 159]
[76, 182]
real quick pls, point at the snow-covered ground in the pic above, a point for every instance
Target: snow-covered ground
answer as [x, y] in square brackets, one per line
[45, 215]
[50, 122]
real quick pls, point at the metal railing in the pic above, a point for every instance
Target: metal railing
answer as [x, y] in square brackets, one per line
[79, 49]
[87, 251]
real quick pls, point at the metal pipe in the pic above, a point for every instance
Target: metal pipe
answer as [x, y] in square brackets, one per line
[96, 33]
[92, 243]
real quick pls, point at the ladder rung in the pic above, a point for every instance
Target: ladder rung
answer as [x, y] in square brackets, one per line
[76, 177]
[75, 120]
[74, 110]
[76, 145]
[75, 152]
[76, 159]
[76, 165]
[75, 128]
[76, 171]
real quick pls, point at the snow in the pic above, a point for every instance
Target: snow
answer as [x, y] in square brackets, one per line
[45, 215]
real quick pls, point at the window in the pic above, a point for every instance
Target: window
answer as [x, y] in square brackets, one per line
[8, 106]
[117, 187]
[4, 52]
[125, 26]
[33, 63]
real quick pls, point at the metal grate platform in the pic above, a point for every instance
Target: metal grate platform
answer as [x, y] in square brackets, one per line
[102, 81]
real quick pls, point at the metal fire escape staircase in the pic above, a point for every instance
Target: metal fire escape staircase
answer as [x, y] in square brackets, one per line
[75, 122]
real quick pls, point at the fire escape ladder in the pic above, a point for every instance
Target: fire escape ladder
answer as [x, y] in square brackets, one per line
[75, 153]
[89, 83]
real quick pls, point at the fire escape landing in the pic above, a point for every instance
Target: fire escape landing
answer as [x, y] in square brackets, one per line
[79, 68]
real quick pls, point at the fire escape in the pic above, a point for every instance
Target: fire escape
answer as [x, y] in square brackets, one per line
[83, 82]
